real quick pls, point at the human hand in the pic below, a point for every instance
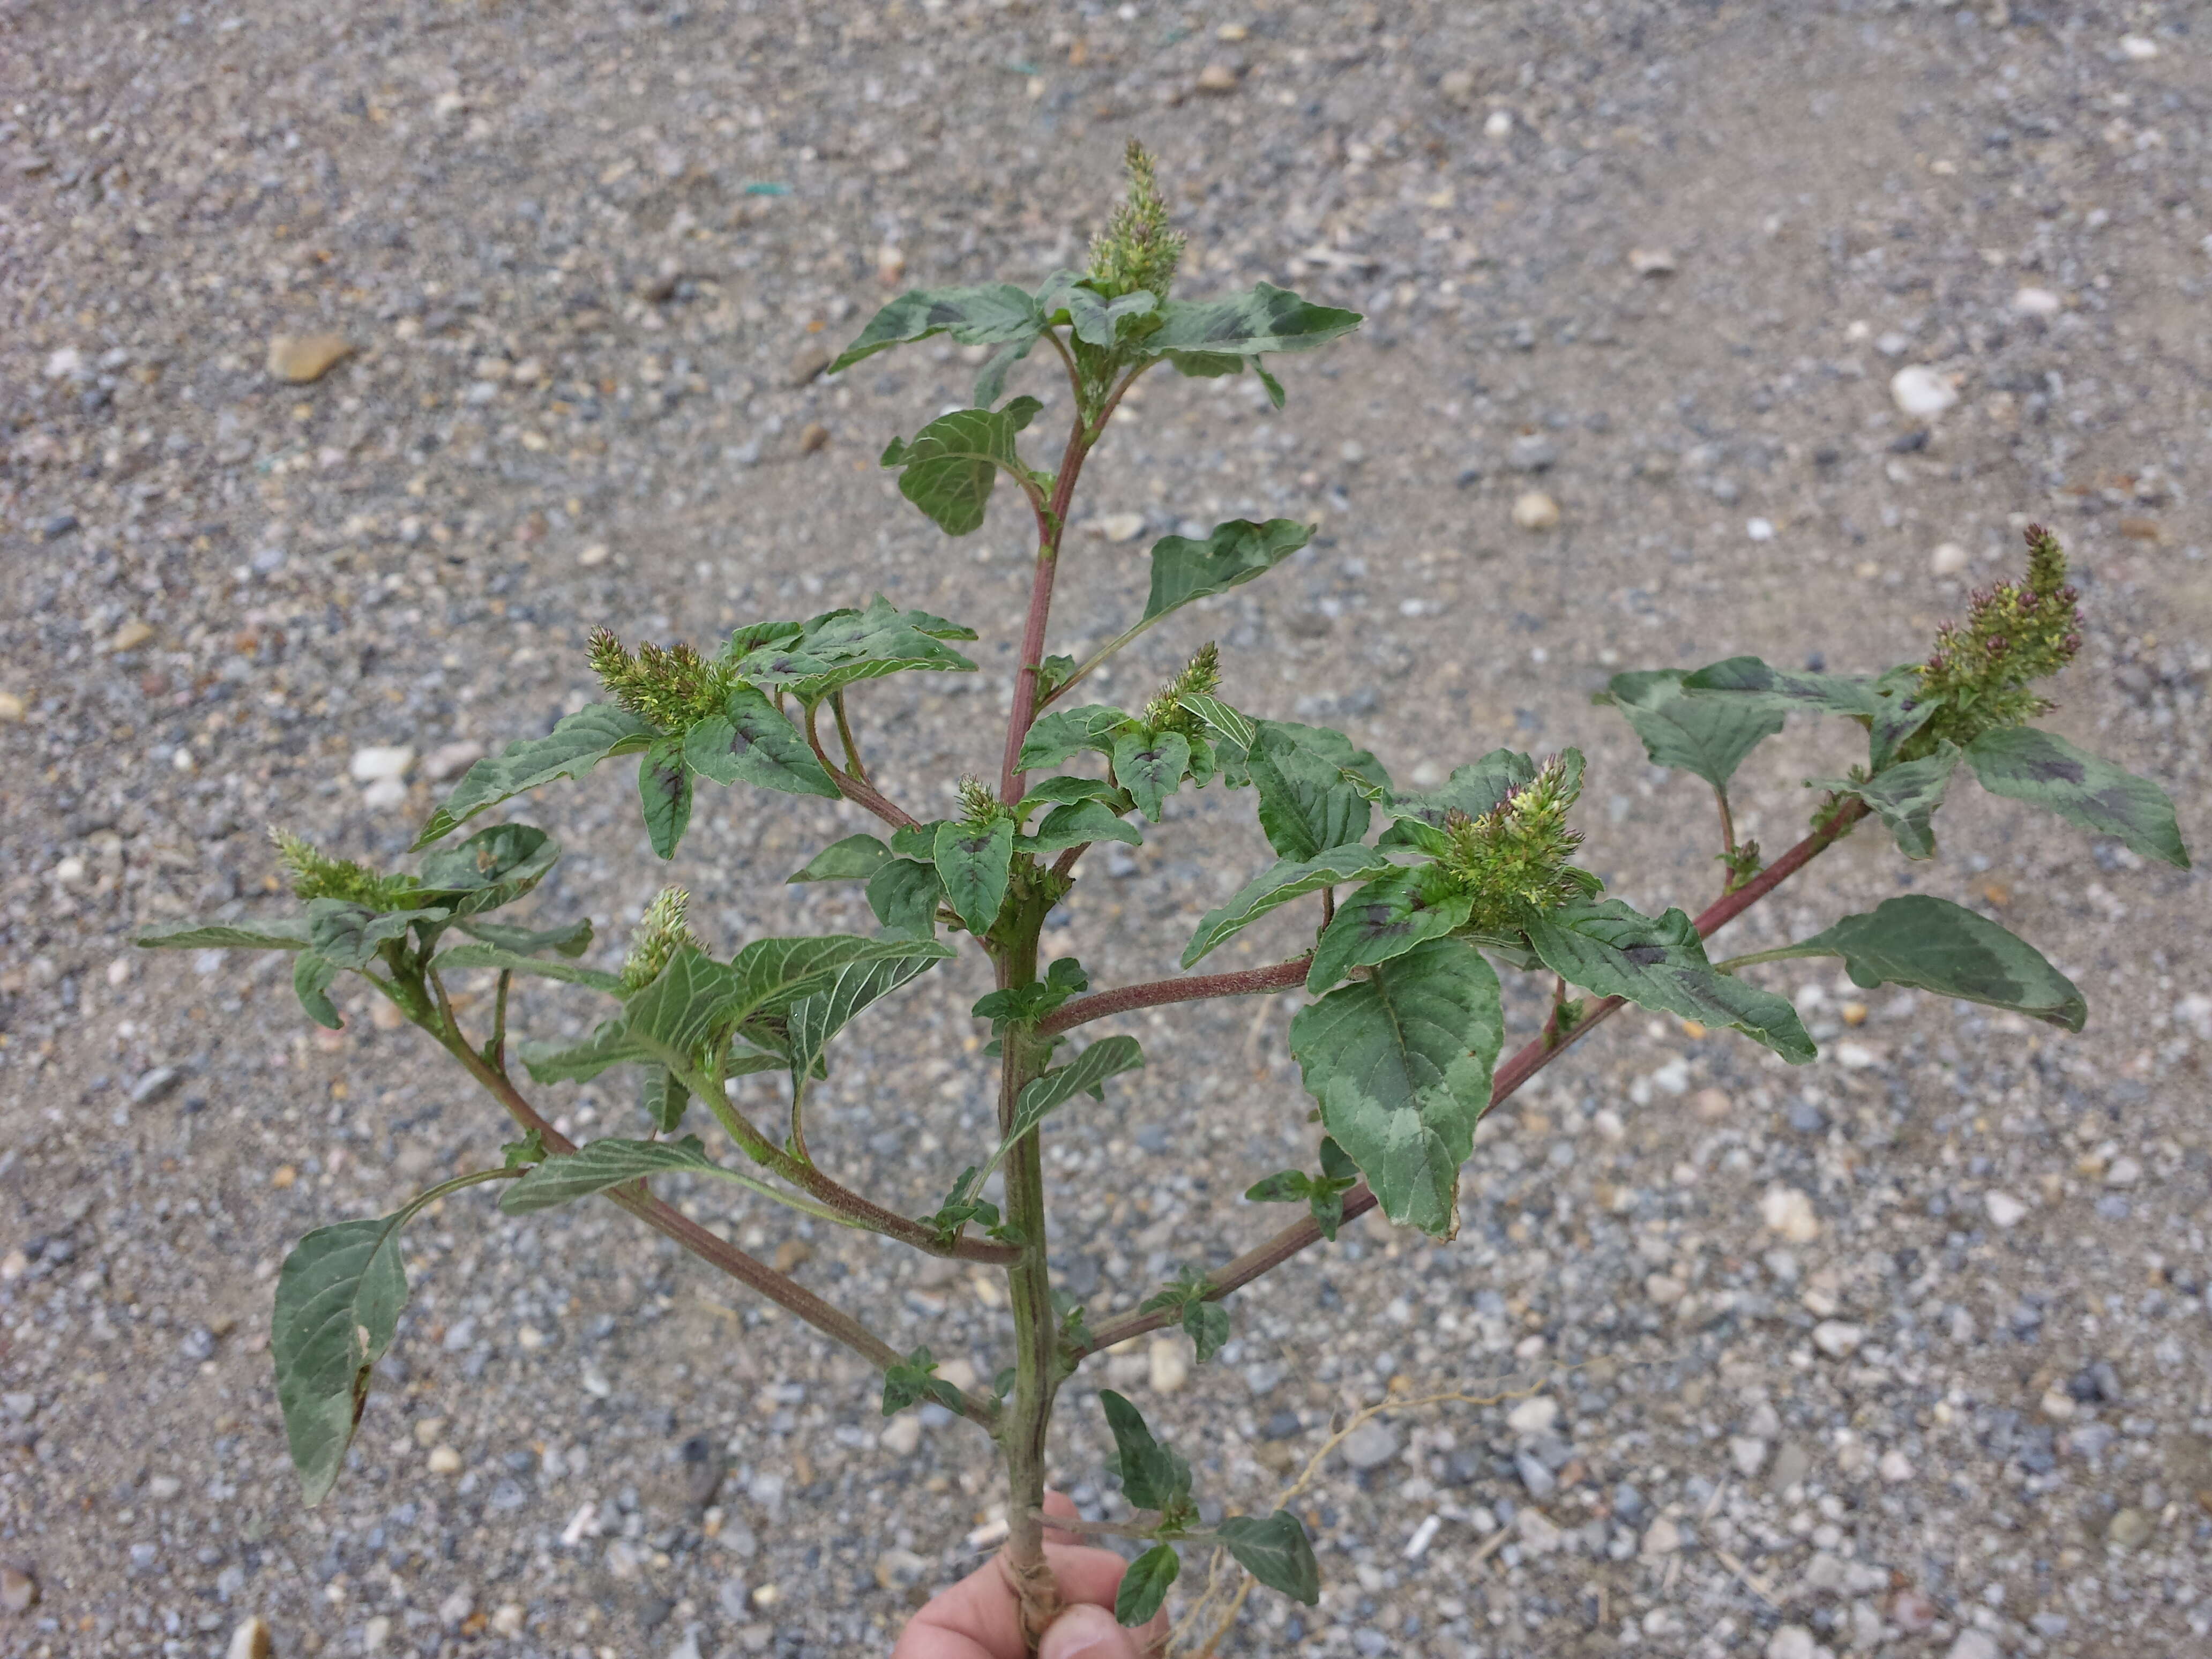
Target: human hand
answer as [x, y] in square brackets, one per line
[981, 1617]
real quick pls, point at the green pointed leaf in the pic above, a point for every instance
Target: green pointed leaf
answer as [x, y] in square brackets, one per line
[1184, 569]
[1150, 766]
[664, 789]
[913, 1380]
[1273, 387]
[338, 1301]
[1314, 788]
[277, 933]
[1145, 1585]
[974, 865]
[843, 647]
[599, 1164]
[856, 858]
[514, 961]
[1153, 1477]
[1472, 789]
[312, 973]
[1386, 918]
[991, 378]
[815, 1019]
[492, 867]
[1933, 944]
[1069, 732]
[1096, 320]
[1904, 712]
[2044, 770]
[347, 935]
[1283, 1186]
[752, 637]
[1659, 962]
[750, 741]
[608, 1044]
[1226, 724]
[571, 939]
[952, 463]
[1207, 1325]
[989, 313]
[1905, 796]
[664, 1098]
[1076, 824]
[1707, 736]
[1400, 1064]
[1755, 684]
[1261, 319]
[904, 895]
[1066, 791]
[1086, 1074]
[574, 747]
[1275, 1551]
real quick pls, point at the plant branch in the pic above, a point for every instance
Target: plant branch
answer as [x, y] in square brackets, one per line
[1280, 977]
[1728, 821]
[845, 734]
[1533, 1057]
[857, 790]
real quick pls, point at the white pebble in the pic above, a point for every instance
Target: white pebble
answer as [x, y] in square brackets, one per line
[1789, 1213]
[2003, 1208]
[1536, 511]
[1749, 1453]
[1499, 125]
[1118, 527]
[902, 1435]
[384, 794]
[1760, 530]
[1168, 1365]
[1921, 393]
[1895, 1467]
[451, 760]
[1534, 1416]
[2037, 302]
[379, 763]
[2141, 47]
[1836, 1340]
[1790, 1642]
[1948, 560]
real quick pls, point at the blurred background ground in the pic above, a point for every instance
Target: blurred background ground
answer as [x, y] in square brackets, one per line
[1904, 1352]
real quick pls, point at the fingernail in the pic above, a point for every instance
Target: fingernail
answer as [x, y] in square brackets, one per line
[1086, 1632]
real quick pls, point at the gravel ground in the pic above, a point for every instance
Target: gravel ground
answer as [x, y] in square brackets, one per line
[1904, 1352]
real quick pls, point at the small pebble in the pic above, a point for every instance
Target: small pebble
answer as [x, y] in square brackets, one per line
[1652, 261]
[2003, 1209]
[451, 760]
[304, 358]
[1119, 527]
[596, 553]
[902, 1435]
[1789, 1213]
[1921, 393]
[1217, 78]
[19, 1590]
[2037, 302]
[378, 763]
[1536, 511]
[12, 709]
[130, 637]
[444, 1460]
[813, 437]
[1838, 1339]
[1499, 125]
[252, 1640]
[1370, 1445]
[1948, 559]
[1170, 1361]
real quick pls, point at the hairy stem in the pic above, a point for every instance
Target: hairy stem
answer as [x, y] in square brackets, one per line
[845, 736]
[1279, 976]
[1728, 821]
[1508, 1078]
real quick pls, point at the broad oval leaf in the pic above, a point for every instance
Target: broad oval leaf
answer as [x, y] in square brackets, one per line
[974, 865]
[2044, 770]
[1659, 962]
[1275, 1550]
[1185, 568]
[904, 895]
[843, 647]
[1262, 319]
[1150, 766]
[1315, 787]
[856, 858]
[1067, 298]
[491, 868]
[663, 1097]
[1289, 879]
[608, 1044]
[1707, 736]
[750, 741]
[277, 933]
[598, 1165]
[1933, 944]
[952, 463]
[987, 313]
[1400, 1063]
[579, 742]
[1904, 796]
[312, 973]
[1145, 1584]
[664, 790]
[1472, 789]
[1069, 732]
[1066, 790]
[1386, 918]
[1076, 824]
[347, 935]
[1757, 684]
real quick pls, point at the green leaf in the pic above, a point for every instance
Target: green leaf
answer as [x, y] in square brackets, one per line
[856, 858]
[522, 1153]
[1077, 823]
[952, 463]
[991, 378]
[338, 1301]
[1659, 962]
[347, 935]
[1086, 1074]
[574, 747]
[990, 313]
[1145, 1585]
[1905, 796]
[1227, 725]
[843, 647]
[1275, 1551]
[750, 741]
[815, 1019]
[1261, 319]
[1753, 683]
[492, 867]
[1472, 789]
[911, 1380]
[277, 933]
[1290, 879]
[312, 973]
[1184, 569]
[1904, 712]
[904, 895]
[752, 637]
[572, 939]
[1386, 918]
[514, 961]
[663, 1097]
[974, 865]
[2044, 770]
[1096, 320]
[1400, 1063]
[1066, 791]
[608, 1044]
[1314, 788]
[1206, 1324]
[1153, 1477]
[1069, 732]
[664, 790]
[1283, 1186]
[599, 1164]
[1933, 944]
[1150, 766]
[1707, 736]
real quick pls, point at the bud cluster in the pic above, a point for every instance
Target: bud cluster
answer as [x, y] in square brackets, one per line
[317, 875]
[1200, 677]
[2014, 633]
[674, 688]
[1513, 858]
[661, 931]
[979, 808]
[1136, 250]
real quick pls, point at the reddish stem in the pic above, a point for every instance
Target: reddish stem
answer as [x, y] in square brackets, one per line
[1280, 977]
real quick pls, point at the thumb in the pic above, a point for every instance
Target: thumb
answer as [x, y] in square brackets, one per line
[1085, 1631]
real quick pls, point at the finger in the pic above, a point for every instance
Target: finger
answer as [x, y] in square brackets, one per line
[979, 1618]
[1088, 1633]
